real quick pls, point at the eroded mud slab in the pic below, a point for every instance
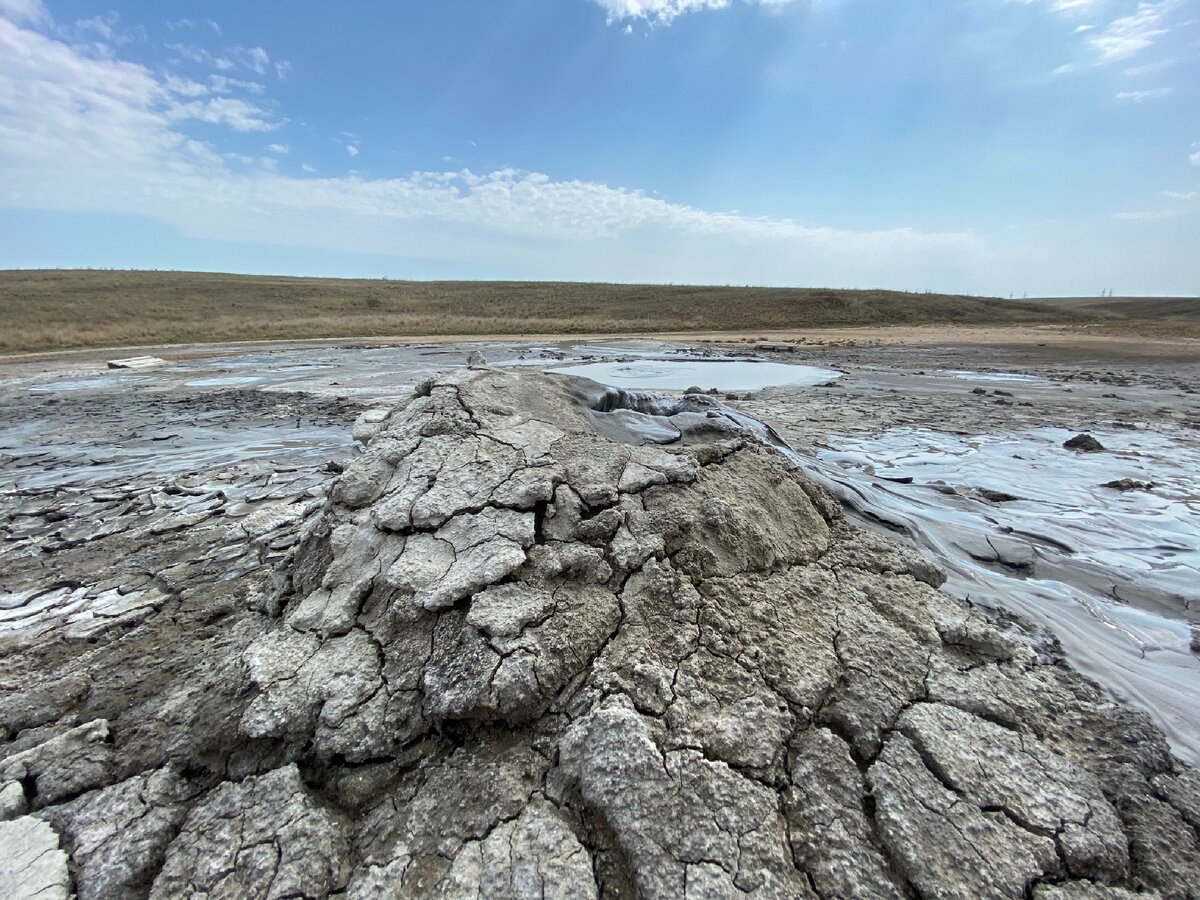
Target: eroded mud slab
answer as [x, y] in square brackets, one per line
[515, 651]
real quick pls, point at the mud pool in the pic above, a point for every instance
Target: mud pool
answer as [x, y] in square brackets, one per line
[682, 374]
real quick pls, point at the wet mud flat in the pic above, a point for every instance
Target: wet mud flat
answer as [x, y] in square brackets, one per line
[122, 490]
[961, 452]
[148, 517]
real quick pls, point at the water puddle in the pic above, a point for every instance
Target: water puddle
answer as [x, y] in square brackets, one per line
[679, 375]
[75, 384]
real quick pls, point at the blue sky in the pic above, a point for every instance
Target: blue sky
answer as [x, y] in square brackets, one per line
[984, 146]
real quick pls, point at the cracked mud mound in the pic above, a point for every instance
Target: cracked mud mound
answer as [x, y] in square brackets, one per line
[524, 651]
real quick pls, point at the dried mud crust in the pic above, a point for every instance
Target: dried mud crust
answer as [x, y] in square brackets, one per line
[509, 657]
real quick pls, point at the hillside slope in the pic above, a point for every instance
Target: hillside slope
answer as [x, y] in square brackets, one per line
[53, 309]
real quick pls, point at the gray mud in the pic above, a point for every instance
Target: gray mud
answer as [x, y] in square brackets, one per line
[544, 639]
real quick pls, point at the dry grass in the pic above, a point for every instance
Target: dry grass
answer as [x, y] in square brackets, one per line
[66, 309]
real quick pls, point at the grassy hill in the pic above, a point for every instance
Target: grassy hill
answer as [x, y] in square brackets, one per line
[64, 309]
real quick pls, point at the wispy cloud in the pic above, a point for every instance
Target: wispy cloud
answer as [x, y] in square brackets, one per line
[1131, 34]
[1142, 96]
[1147, 68]
[104, 135]
[1152, 215]
[222, 84]
[25, 11]
[251, 59]
[186, 24]
[184, 87]
[278, 148]
[1182, 195]
[101, 25]
[255, 59]
[352, 150]
[1122, 38]
[663, 12]
[1066, 8]
[235, 113]
[1074, 7]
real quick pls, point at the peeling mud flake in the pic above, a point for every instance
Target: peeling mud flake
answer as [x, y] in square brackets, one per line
[31, 863]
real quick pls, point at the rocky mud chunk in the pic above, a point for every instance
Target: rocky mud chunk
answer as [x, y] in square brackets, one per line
[63, 765]
[1083, 443]
[118, 835]
[265, 837]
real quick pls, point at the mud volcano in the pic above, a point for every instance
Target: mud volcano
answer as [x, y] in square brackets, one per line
[524, 651]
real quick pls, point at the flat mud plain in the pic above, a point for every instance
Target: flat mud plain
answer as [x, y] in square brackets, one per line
[123, 494]
[121, 489]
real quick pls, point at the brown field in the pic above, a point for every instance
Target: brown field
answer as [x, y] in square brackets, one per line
[48, 310]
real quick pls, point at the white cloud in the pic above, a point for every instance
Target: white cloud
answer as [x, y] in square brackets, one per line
[25, 11]
[1182, 195]
[222, 84]
[101, 25]
[253, 58]
[1148, 215]
[278, 148]
[100, 135]
[186, 24]
[307, 168]
[1194, 158]
[1074, 7]
[231, 111]
[1142, 96]
[197, 54]
[663, 12]
[1131, 34]
[352, 150]
[185, 87]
